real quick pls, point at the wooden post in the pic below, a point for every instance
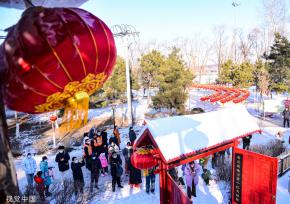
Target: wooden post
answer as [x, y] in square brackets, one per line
[8, 180]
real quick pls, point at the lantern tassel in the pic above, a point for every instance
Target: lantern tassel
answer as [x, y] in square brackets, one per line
[76, 112]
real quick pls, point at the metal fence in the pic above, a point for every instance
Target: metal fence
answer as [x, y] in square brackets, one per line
[283, 163]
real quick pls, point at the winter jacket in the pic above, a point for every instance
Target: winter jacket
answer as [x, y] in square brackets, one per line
[117, 135]
[62, 160]
[96, 165]
[135, 174]
[127, 151]
[286, 114]
[192, 175]
[206, 175]
[247, 140]
[114, 162]
[91, 133]
[45, 173]
[104, 135]
[77, 171]
[87, 150]
[132, 136]
[113, 148]
[29, 165]
[39, 183]
[103, 160]
[97, 145]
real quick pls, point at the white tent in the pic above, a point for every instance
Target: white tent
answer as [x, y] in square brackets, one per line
[180, 135]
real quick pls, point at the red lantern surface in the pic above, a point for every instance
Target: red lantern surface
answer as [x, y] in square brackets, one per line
[53, 118]
[143, 159]
[51, 55]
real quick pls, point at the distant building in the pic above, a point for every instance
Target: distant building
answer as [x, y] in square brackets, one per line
[206, 74]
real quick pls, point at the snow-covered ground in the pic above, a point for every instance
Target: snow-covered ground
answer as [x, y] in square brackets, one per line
[216, 193]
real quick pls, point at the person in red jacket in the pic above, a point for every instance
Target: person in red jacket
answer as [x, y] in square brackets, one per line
[40, 185]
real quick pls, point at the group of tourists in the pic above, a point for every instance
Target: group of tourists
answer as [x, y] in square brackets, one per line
[99, 153]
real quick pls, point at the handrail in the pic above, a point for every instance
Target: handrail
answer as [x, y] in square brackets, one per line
[283, 163]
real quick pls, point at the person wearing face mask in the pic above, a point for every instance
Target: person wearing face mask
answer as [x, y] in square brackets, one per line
[76, 167]
[29, 167]
[95, 171]
[45, 175]
[191, 172]
[116, 170]
[88, 151]
[62, 159]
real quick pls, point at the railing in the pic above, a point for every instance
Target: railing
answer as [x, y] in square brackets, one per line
[177, 196]
[283, 163]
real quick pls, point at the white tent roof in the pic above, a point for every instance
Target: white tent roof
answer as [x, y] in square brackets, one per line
[180, 135]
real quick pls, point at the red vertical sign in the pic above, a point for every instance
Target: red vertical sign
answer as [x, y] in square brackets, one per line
[254, 178]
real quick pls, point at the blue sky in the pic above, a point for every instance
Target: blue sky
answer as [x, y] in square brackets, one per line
[166, 19]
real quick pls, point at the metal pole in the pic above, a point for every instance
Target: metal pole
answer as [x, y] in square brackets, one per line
[53, 134]
[128, 81]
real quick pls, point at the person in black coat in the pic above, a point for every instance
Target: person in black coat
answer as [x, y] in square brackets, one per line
[92, 132]
[88, 153]
[104, 135]
[95, 171]
[127, 151]
[246, 142]
[76, 167]
[134, 175]
[62, 158]
[115, 163]
[132, 135]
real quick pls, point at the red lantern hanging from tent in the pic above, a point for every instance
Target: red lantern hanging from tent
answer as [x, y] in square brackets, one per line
[55, 58]
[143, 159]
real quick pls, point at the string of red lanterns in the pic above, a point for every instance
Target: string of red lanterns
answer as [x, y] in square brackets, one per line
[223, 94]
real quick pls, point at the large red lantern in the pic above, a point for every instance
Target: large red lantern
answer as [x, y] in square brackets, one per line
[143, 159]
[54, 58]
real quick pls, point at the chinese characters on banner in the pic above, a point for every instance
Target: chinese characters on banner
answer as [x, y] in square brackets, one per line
[238, 178]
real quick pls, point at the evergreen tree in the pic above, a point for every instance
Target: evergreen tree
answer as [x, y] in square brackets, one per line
[226, 72]
[237, 75]
[150, 65]
[279, 64]
[115, 87]
[173, 79]
[243, 75]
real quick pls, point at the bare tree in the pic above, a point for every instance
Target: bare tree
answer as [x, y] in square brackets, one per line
[220, 45]
[246, 44]
[196, 52]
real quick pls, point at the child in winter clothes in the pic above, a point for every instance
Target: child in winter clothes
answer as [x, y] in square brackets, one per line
[150, 179]
[95, 171]
[45, 175]
[206, 175]
[104, 164]
[127, 151]
[116, 170]
[39, 185]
